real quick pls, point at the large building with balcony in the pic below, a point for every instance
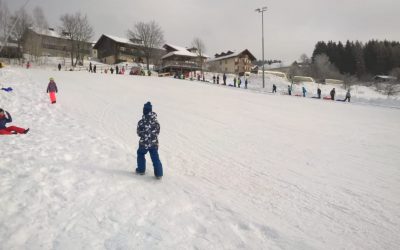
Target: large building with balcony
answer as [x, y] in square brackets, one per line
[232, 62]
[181, 60]
[112, 49]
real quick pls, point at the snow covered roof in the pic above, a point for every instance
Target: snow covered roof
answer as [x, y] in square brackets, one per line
[178, 51]
[232, 54]
[303, 79]
[177, 48]
[46, 32]
[385, 77]
[121, 40]
[116, 39]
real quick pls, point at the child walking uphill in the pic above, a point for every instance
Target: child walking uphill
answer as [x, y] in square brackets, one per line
[9, 130]
[52, 90]
[148, 130]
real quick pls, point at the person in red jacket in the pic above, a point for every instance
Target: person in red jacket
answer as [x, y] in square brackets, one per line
[5, 117]
[52, 90]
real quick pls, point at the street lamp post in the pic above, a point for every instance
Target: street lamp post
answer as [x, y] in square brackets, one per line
[261, 10]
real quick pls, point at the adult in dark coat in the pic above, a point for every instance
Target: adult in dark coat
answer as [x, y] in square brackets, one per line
[59, 66]
[94, 69]
[148, 130]
[333, 92]
[319, 93]
[116, 70]
[224, 78]
[90, 67]
[273, 88]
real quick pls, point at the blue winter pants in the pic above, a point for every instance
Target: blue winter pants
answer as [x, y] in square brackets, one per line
[141, 160]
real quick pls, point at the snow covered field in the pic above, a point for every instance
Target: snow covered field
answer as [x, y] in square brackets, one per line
[242, 169]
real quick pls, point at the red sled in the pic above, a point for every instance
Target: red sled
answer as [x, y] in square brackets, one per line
[327, 98]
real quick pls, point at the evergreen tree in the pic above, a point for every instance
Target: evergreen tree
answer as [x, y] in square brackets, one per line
[370, 56]
[320, 48]
[340, 57]
[359, 61]
[376, 57]
[349, 63]
[395, 59]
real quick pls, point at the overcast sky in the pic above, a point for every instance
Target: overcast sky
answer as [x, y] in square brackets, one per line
[291, 27]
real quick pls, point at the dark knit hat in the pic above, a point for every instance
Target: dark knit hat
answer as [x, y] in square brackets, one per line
[147, 108]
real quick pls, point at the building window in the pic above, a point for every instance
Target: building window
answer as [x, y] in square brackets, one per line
[220, 62]
[122, 48]
[226, 61]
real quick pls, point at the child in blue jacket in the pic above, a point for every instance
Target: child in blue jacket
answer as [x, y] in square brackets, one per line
[5, 117]
[148, 130]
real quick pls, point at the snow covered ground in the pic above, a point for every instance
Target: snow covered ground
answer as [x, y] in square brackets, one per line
[242, 169]
[360, 94]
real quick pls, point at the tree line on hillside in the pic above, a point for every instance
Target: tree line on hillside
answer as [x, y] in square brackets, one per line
[352, 63]
[361, 60]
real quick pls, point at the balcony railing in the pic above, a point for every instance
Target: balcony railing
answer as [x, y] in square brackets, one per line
[180, 64]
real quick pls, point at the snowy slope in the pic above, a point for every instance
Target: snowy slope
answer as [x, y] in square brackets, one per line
[242, 169]
[359, 94]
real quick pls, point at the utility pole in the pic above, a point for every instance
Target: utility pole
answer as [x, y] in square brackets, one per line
[261, 10]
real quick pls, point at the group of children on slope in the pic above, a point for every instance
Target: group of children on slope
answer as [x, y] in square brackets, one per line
[332, 93]
[148, 130]
[5, 116]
